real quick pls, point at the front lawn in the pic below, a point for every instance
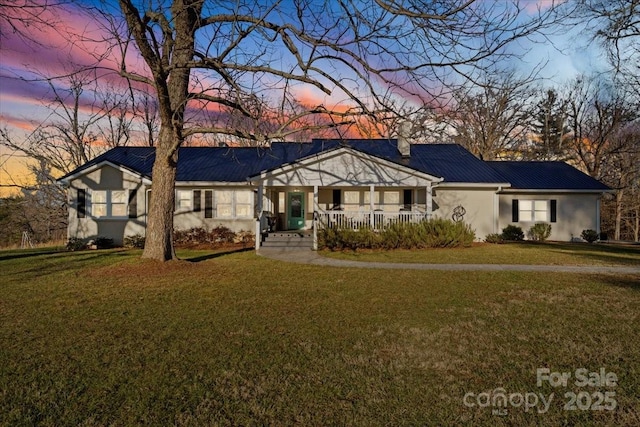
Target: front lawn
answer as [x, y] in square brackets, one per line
[549, 253]
[104, 338]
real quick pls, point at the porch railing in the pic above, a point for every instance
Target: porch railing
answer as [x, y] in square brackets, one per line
[358, 219]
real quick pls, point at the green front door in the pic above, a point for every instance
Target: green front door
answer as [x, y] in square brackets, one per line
[295, 211]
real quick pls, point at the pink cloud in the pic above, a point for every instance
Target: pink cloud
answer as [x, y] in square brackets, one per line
[77, 41]
[533, 6]
[17, 123]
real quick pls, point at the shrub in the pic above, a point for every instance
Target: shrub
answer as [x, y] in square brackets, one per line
[434, 233]
[103, 242]
[136, 241]
[222, 234]
[512, 233]
[75, 244]
[540, 231]
[589, 235]
[191, 236]
[199, 236]
[444, 233]
[245, 237]
[494, 238]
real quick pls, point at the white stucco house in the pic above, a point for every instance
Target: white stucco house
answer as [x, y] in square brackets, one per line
[305, 186]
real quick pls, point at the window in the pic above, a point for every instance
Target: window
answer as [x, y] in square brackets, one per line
[534, 210]
[109, 203]
[208, 203]
[244, 201]
[99, 204]
[336, 198]
[229, 203]
[197, 200]
[407, 199]
[183, 200]
[391, 197]
[81, 211]
[224, 204]
[119, 203]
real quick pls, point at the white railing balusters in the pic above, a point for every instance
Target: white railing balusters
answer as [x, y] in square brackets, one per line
[361, 219]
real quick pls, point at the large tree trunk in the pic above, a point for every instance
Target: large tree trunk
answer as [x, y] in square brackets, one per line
[171, 74]
[159, 237]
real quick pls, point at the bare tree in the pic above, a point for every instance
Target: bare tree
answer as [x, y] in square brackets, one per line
[596, 112]
[83, 121]
[604, 138]
[621, 171]
[146, 111]
[246, 56]
[23, 17]
[616, 25]
[491, 118]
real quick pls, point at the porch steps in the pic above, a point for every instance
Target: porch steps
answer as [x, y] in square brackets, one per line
[288, 240]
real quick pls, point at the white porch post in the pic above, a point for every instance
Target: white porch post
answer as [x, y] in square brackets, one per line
[414, 199]
[429, 203]
[371, 205]
[315, 217]
[260, 200]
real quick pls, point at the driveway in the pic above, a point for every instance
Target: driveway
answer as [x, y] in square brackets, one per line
[303, 256]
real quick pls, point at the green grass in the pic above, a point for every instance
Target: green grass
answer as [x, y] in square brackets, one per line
[104, 338]
[511, 253]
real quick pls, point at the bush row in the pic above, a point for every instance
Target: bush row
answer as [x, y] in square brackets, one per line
[217, 236]
[76, 244]
[432, 233]
[512, 233]
[538, 232]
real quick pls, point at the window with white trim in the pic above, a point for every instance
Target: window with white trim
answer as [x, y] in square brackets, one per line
[231, 204]
[99, 203]
[244, 203]
[184, 200]
[534, 211]
[109, 203]
[224, 203]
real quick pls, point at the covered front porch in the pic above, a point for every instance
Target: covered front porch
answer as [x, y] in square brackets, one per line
[312, 208]
[342, 187]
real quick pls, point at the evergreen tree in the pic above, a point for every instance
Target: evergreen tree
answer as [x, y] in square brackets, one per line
[550, 128]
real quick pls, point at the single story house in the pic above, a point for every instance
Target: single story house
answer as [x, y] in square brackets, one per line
[306, 186]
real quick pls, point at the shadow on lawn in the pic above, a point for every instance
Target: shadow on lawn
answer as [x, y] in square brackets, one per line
[209, 256]
[59, 261]
[21, 253]
[605, 253]
[631, 282]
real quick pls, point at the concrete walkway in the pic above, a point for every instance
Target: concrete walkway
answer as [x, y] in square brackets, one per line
[303, 256]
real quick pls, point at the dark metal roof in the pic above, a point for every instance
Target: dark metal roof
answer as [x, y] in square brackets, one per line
[448, 161]
[546, 176]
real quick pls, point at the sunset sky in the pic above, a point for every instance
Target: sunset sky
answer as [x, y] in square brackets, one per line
[22, 102]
